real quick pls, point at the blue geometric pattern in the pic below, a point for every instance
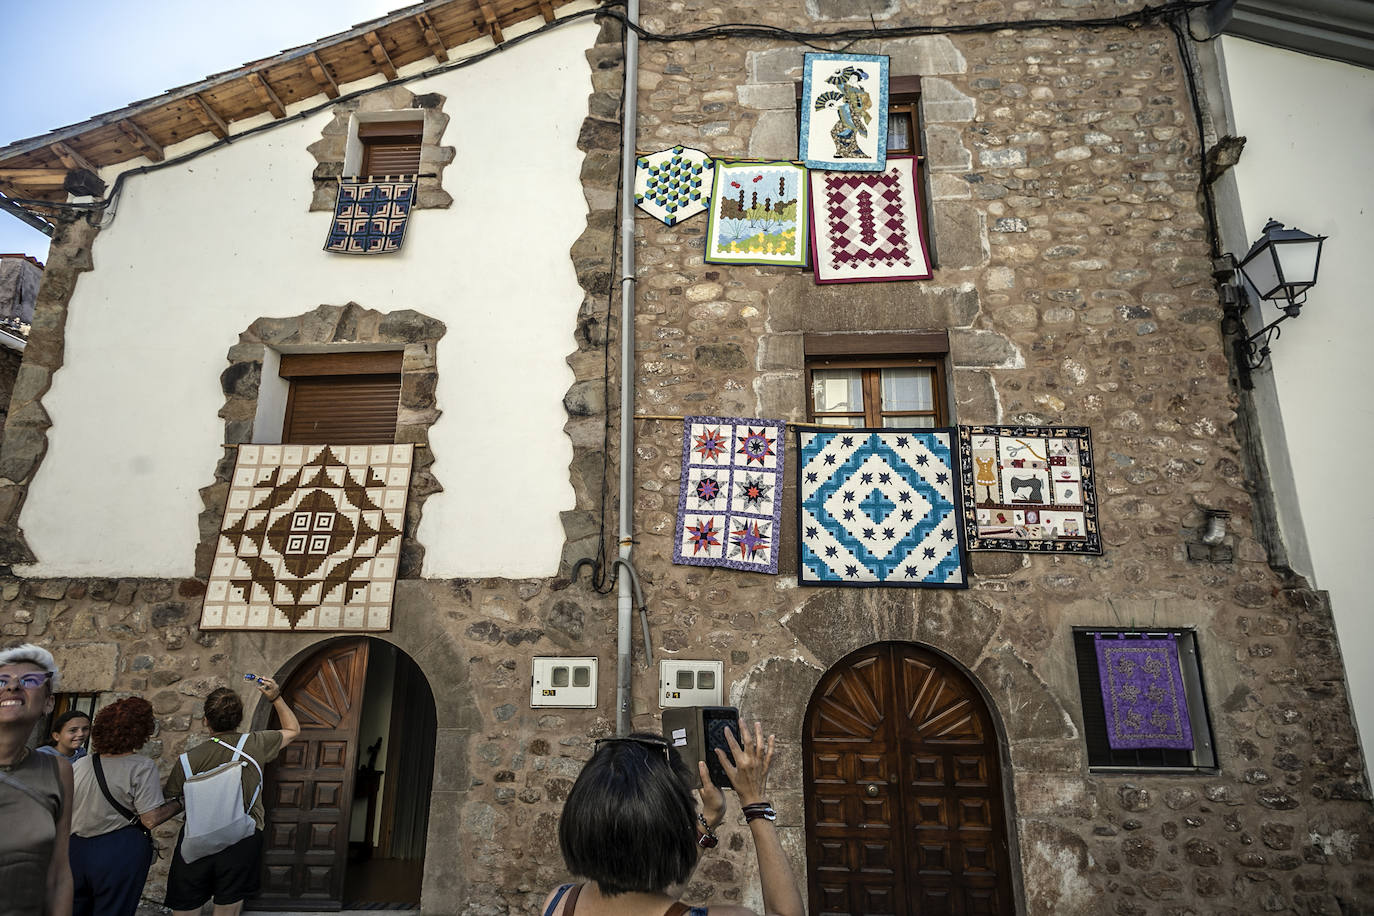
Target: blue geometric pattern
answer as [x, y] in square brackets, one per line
[371, 216]
[669, 183]
[880, 507]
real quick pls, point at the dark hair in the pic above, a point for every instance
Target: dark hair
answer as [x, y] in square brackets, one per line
[629, 823]
[223, 710]
[122, 727]
[61, 721]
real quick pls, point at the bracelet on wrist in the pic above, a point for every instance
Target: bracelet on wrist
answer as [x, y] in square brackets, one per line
[759, 810]
[707, 840]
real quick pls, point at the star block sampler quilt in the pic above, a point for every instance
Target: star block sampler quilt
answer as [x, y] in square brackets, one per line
[880, 507]
[867, 225]
[370, 216]
[757, 214]
[311, 538]
[730, 502]
[673, 184]
[1029, 488]
[1143, 694]
[844, 112]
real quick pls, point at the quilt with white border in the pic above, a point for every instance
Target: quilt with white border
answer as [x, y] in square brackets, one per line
[370, 216]
[730, 500]
[866, 226]
[673, 184]
[1029, 488]
[311, 538]
[879, 507]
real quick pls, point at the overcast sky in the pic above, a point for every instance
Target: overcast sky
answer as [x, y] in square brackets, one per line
[68, 60]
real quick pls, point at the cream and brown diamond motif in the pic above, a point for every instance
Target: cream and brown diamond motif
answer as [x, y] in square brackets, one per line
[311, 538]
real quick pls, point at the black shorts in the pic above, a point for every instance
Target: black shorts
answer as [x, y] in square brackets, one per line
[228, 876]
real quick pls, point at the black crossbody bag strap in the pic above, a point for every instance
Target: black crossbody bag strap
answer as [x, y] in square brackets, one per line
[105, 790]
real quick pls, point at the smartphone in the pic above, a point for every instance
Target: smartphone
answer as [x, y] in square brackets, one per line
[252, 677]
[714, 721]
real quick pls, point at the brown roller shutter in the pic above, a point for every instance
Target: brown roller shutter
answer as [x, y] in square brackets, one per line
[390, 148]
[342, 410]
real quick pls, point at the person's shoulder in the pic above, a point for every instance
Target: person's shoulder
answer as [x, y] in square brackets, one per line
[49, 750]
[723, 910]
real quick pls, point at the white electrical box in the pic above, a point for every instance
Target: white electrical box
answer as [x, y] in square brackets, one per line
[564, 682]
[689, 683]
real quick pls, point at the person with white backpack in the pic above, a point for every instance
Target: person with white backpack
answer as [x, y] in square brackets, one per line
[219, 850]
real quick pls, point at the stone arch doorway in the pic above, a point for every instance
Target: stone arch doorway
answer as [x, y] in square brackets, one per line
[347, 811]
[905, 804]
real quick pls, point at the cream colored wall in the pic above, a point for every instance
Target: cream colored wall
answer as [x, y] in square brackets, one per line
[197, 251]
[1310, 130]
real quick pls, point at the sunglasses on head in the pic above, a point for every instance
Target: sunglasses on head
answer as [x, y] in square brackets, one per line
[31, 681]
[656, 745]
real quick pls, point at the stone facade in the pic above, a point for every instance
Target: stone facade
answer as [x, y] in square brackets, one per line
[1073, 279]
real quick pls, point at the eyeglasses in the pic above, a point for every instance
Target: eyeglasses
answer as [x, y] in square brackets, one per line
[30, 681]
[642, 742]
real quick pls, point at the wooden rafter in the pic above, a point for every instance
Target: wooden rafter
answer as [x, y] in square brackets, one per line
[432, 37]
[379, 55]
[493, 25]
[139, 138]
[266, 95]
[33, 179]
[207, 115]
[71, 158]
[546, 9]
[322, 75]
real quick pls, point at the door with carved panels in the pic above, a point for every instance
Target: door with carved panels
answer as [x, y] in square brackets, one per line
[904, 803]
[309, 792]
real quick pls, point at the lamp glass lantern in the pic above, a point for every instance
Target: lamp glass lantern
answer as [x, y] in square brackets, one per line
[1282, 264]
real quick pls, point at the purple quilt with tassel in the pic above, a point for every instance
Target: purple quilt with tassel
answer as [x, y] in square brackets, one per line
[1142, 693]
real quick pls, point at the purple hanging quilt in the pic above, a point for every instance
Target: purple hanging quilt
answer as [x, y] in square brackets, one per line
[730, 500]
[1142, 693]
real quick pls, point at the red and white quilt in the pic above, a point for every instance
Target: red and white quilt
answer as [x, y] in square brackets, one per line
[867, 226]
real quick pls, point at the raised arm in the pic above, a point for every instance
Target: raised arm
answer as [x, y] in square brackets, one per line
[290, 725]
[749, 776]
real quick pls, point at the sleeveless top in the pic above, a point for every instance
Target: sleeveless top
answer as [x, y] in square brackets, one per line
[677, 909]
[26, 843]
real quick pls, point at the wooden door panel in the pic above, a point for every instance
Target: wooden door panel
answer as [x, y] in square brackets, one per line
[903, 789]
[311, 783]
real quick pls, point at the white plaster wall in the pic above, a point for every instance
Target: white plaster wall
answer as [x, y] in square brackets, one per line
[1310, 129]
[198, 251]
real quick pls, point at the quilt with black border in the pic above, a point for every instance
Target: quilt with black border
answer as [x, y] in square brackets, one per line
[371, 215]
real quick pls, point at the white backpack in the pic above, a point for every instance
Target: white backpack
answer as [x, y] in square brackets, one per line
[216, 817]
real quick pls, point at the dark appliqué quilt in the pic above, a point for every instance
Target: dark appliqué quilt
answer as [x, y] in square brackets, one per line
[880, 507]
[730, 501]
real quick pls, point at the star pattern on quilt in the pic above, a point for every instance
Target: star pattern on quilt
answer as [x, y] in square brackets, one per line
[669, 184]
[728, 507]
[310, 538]
[879, 507]
[370, 216]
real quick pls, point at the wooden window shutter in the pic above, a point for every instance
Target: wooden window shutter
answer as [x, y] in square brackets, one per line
[344, 399]
[391, 148]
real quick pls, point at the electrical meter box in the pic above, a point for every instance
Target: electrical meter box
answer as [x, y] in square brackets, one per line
[687, 683]
[564, 682]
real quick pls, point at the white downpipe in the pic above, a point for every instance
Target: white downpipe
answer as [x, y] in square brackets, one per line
[625, 605]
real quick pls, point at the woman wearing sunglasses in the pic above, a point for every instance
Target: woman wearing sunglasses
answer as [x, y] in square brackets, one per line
[35, 792]
[630, 827]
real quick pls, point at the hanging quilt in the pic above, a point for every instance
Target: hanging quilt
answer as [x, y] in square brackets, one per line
[1142, 693]
[311, 538]
[673, 184]
[879, 507]
[867, 225]
[758, 214]
[371, 215]
[1030, 488]
[844, 112]
[730, 501]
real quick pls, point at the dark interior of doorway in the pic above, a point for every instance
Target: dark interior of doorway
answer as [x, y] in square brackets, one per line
[392, 786]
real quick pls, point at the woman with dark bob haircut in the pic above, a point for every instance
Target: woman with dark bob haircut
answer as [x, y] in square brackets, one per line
[630, 827]
[111, 848]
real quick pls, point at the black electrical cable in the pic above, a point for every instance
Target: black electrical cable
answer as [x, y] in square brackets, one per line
[1204, 186]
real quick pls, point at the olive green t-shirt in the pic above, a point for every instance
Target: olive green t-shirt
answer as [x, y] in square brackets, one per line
[261, 746]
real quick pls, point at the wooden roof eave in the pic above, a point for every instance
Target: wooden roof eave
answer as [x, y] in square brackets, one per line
[38, 152]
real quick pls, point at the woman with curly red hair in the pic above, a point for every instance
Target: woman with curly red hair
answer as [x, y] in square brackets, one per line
[118, 801]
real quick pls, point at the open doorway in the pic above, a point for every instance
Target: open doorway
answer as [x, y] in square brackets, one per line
[348, 802]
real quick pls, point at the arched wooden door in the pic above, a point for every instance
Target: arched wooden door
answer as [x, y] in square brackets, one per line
[309, 791]
[904, 800]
